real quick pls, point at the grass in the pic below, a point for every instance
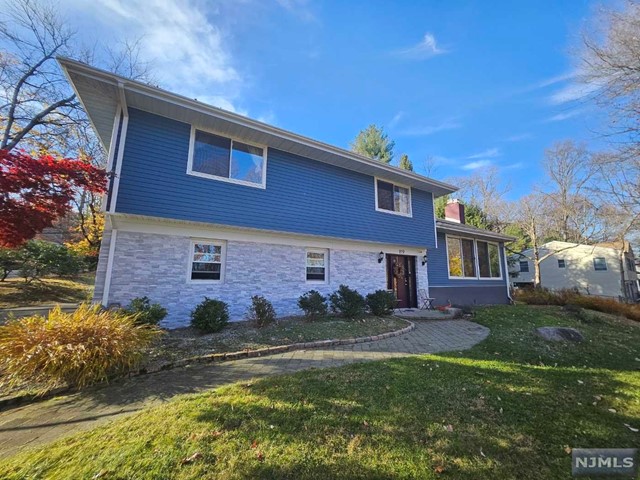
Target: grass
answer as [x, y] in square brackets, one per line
[14, 292]
[236, 336]
[511, 407]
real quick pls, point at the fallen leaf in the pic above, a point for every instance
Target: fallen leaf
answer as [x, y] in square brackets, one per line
[567, 449]
[100, 474]
[612, 410]
[260, 456]
[449, 428]
[217, 433]
[482, 453]
[597, 398]
[191, 459]
[501, 410]
[580, 382]
[439, 469]
[365, 423]
[631, 428]
[254, 444]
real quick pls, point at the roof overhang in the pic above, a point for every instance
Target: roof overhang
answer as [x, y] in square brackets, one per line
[100, 93]
[463, 229]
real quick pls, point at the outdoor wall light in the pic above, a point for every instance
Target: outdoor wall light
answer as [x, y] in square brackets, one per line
[380, 257]
[424, 259]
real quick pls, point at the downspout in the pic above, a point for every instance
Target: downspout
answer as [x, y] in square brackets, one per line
[506, 273]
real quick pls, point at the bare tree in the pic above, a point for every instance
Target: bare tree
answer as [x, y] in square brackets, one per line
[569, 172]
[611, 66]
[485, 190]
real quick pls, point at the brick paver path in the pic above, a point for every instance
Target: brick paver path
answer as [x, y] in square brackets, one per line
[46, 421]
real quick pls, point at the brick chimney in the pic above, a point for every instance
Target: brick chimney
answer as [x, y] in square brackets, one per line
[454, 211]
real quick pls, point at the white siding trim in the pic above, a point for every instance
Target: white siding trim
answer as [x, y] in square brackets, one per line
[107, 277]
[123, 137]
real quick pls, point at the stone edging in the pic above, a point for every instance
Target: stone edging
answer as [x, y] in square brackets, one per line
[221, 357]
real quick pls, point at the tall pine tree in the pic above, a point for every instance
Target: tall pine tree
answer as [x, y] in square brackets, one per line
[372, 142]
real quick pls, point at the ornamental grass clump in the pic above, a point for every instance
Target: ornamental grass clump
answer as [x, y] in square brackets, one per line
[73, 349]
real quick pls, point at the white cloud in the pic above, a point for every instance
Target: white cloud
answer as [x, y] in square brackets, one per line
[573, 92]
[299, 8]
[477, 164]
[519, 137]
[489, 153]
[514, 166]
[564, 116]
[189, 53]
[426, 48]
[430, 129]
[396, 118]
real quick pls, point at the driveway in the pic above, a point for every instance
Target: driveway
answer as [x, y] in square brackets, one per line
[43, 422]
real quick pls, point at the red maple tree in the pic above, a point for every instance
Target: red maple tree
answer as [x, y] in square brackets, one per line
[34, 192]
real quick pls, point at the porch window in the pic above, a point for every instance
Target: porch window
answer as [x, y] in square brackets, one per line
[316, 265]
[462, 262]
[393, 198]
[222, 158]
[488, 260]
[206, 261]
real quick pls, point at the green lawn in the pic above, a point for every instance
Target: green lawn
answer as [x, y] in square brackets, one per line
[511, 407]
[14, 292]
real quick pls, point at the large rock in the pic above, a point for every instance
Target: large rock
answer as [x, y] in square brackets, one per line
[560, 334]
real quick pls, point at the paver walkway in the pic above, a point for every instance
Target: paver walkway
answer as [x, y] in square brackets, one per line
[46, 421]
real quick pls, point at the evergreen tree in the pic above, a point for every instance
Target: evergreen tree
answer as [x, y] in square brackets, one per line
[405, 163]
[372, 142]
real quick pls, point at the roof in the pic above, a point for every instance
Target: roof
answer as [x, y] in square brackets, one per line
[559, 246]
[101, 92]
[462, 228]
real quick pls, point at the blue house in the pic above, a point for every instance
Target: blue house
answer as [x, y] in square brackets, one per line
[205, 202]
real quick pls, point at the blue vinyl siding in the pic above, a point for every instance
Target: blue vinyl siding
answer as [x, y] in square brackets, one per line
[302, 195]
[438, 270]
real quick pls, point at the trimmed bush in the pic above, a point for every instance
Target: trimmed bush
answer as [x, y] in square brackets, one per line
[313, 304]
[210, 316]
[146, 313]
[261, 311]
[381, 302]
[39, 258]
[347, 302]
[72, 349]
[9, 261]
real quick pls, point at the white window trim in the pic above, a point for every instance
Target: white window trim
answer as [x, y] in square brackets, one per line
[326, 265]
[606, 267]
[190, 171]
[378, 209]
[223, 260]
[476, 259]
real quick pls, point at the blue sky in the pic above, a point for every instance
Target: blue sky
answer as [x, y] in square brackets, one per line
[470, 84]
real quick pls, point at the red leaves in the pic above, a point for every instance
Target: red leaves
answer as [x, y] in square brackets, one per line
[34, 192]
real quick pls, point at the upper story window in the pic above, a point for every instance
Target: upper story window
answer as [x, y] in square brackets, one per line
[221, 158]
[599, 263]
[561, 263]
[524, 266]
[393, 198]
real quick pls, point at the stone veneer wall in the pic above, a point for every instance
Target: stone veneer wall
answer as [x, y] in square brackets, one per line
[157, 265]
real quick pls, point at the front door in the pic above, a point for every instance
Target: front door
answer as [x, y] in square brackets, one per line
[401, 278]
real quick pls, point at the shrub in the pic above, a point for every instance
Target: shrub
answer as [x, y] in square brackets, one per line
[381, 302]
[347, 302]
[210, 315]
[542, 296]
[75, 349]
[261, 311]
[39, 258]
[313, 303]
[146, 313]
[9, 261]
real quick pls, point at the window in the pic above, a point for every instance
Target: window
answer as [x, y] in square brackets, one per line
[524, 266]
[393, 198]
[316, 265]
[488, 260]
[206, 261]
[461, 257]
[599, 263]
[561, 263]
[219, 157]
